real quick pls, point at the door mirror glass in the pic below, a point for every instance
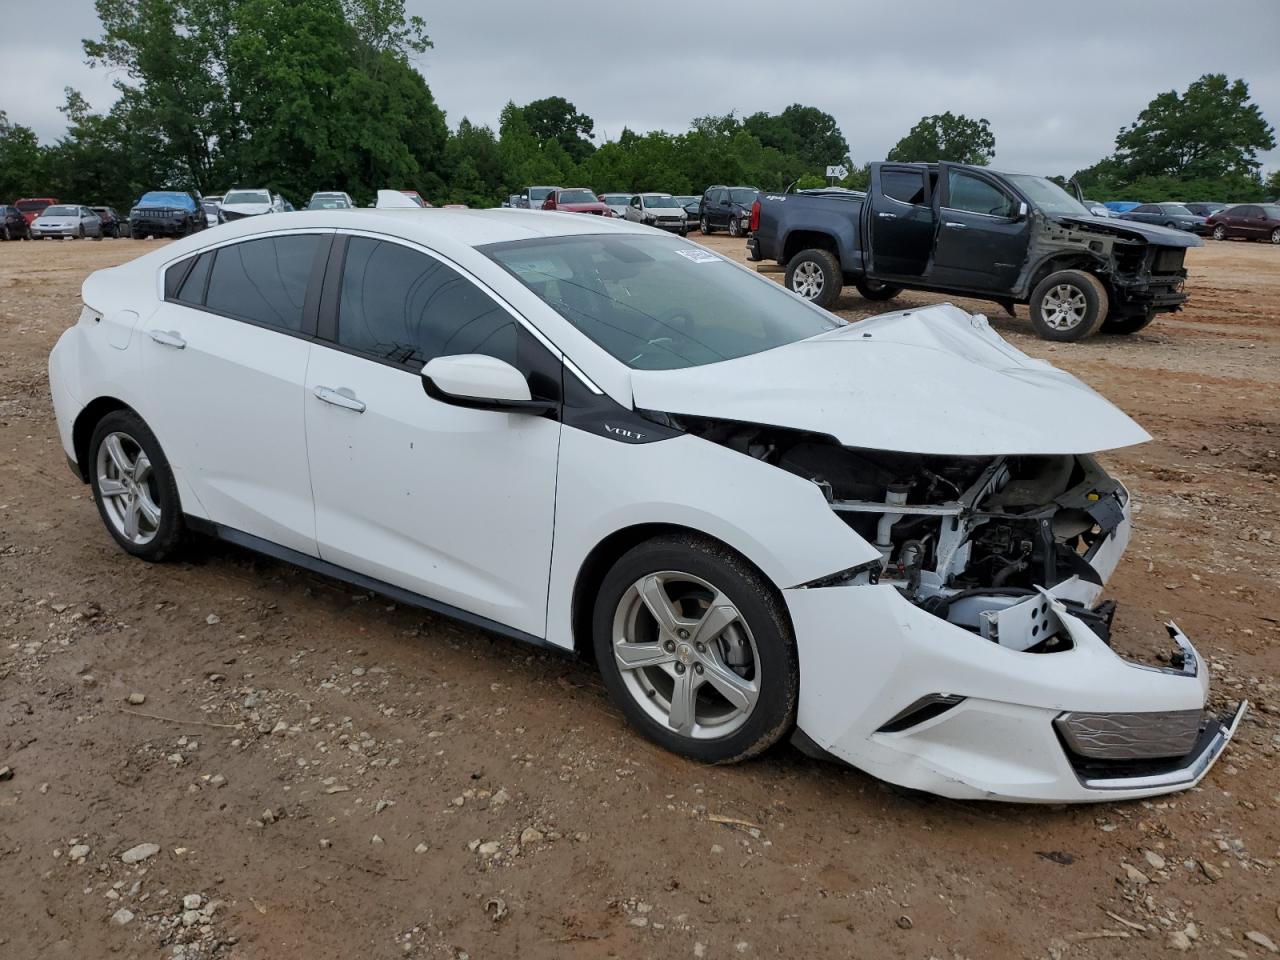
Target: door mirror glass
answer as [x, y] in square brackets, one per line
[1021, 212]
[481, 383]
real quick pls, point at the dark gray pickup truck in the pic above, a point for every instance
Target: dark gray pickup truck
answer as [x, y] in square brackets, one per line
[972, 232]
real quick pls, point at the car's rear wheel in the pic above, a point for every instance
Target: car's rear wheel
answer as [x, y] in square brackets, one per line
[1219, 232]
[696, 649]
[876, 290]
[1275, 235]
[815, 275]
[704, 226]
[134, 487]
[1068, 305]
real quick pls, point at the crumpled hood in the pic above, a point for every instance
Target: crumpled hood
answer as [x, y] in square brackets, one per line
[247, 209]
[1151, 232]
[594, 207]
[935, 380]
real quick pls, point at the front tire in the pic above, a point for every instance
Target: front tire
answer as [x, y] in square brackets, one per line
[705, 226]
[815, 275]
[1068, 305]
[696, 650]
[134, 488]
[876, 290]
[735, 230]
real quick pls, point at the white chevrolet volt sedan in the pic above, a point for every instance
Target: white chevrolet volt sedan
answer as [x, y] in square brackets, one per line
[886, 540]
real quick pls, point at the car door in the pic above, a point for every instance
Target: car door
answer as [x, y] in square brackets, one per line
[901, 224]
[633, 210]
[452, 503]
[1253, 223]
[982, 236]
[224, 362]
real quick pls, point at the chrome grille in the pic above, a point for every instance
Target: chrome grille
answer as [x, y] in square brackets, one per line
[1130, 736]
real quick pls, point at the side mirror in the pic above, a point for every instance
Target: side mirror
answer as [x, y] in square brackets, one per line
[480, 382]
[1021, 213]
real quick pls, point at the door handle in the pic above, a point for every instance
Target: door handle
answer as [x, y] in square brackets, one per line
[885, 215]
[342, 397]
[168, 338]
[956, 226]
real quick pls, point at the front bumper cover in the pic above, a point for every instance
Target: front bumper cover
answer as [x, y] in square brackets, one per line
[867, 654]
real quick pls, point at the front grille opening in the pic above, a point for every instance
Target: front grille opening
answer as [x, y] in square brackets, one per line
[926, 708]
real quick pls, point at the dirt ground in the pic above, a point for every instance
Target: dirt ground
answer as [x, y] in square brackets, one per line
[324, 773]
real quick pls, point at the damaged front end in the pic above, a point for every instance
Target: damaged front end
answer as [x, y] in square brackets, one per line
[973, 659]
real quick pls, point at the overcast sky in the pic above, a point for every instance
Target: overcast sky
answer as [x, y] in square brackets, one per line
[1056, 80]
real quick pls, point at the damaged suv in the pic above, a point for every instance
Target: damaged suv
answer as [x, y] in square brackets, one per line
[885, 540]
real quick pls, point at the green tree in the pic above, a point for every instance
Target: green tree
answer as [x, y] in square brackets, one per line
[556, 119]
[1271, 187]
[947, 136]
[21, 161]
[806, 133]
[1211, 131]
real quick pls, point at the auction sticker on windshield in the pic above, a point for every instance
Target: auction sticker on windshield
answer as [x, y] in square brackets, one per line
[698, 256]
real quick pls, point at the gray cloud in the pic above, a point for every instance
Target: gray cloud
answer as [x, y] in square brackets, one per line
[1056, 81]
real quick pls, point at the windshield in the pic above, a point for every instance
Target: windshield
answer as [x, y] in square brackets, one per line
[328, 203]
[577, 196]
[1047, 196]
[209, 207]
[685, 201]
[538, 194]
[617, 199]
[658, 303]
[164, 198]
[62, 211]
[742, 195]
[664, 202]
[29, 206]
[246, 196]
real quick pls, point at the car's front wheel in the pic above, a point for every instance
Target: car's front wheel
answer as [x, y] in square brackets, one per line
[1219, 232]
[735, 228]
[134, 487]
[696, 649]
[1068, 305]
[704, 226]
[815, 275]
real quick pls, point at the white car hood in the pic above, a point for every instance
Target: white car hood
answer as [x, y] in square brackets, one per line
[56, 221]
[934, 380]
[247, 209]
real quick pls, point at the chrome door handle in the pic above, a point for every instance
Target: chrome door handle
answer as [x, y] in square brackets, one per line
[168, 338]
[885, 215]
[956, 226]
[342, 397]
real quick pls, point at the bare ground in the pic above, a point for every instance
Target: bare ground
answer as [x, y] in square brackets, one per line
[301, 742]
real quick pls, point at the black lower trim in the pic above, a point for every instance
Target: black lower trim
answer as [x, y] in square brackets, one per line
[327, 569]
[81, 475]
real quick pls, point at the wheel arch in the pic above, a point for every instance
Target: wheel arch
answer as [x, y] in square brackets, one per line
[601, 558]
[798, 240]
[1067, 261]
[86, 420]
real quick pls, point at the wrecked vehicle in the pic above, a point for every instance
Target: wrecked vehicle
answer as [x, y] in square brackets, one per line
[886, 540]
[1009, 238]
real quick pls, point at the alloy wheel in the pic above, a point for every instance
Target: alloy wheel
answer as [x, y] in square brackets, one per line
[686, 655]
[734, 229]
[1219, 232]
[808, 280]
[1064, 307]
[704, 226]
[128, 489]
[1275, 235]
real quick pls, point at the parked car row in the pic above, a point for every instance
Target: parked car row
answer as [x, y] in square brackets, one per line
[719, 207]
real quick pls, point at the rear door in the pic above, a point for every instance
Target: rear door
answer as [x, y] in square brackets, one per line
[901, 222]
[225, 357]
[982, 239]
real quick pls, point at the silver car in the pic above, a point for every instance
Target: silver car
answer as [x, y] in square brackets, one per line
[617, 202]
[660, 210]
[64, 220]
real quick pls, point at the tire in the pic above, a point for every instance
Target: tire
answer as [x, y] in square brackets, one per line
[1171, 225]
[142, 512]
[734, 229]
[815, 275]
[684, 232]
[138, 236]
[1123, 326]
[705, 226]
[81, 235]
[6, 233]
[1068, 305]
[1219, 232]
[876, 291]
[688, 571]
[1275, 235]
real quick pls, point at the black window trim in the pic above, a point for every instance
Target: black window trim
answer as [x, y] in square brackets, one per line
[310, 298]
[327, 331]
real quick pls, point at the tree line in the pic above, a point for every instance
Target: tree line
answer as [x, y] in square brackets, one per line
[304, 95]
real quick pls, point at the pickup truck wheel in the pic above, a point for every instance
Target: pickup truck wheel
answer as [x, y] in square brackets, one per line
[704, 226]
[876, 290]
[815, 275]
[1068, 305]
[1123, 326]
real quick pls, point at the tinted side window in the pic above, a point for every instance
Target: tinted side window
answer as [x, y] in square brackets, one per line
[192, 289]
[976, 195]
[400, 305]
[904, 185]
[263, 281]
[1147, 208]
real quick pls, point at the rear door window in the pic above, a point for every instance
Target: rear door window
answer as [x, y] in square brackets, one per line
[264, 281]
[905, 186]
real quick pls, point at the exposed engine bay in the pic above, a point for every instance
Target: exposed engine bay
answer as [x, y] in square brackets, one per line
[973, 540]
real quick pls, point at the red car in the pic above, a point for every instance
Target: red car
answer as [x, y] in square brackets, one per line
[32, 207]
[576, 200]
[1248, 221]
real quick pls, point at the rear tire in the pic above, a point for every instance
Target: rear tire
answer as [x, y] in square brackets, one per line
[815, 275]
[134, 488]
[739, 673]
[1068, 305]
[1275, 235]
[876, 291]
[1219, 232]
[6, 233]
